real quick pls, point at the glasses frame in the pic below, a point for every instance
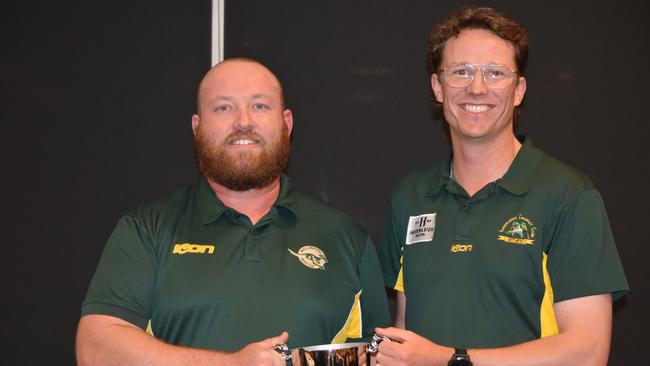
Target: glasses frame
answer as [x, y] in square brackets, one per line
[481, 67]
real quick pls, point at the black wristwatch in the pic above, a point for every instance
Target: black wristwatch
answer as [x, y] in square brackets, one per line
[460, 358]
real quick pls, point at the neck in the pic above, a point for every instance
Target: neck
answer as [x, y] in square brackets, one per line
[478, 163]
[254, 203]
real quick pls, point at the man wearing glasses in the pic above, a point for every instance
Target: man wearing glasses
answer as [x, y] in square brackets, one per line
[500, 255]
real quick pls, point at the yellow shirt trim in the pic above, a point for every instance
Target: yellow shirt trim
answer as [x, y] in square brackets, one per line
[353, 327]
[547, 315]
[149, 330]
[399, 284]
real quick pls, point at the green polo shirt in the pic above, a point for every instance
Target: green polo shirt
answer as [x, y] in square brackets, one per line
[484, 271]
[205, 277]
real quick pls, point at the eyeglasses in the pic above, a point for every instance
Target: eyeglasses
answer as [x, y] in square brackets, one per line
[495, 76]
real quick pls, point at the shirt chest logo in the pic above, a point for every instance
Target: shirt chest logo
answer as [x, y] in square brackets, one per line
[518, 230]
[311, 256]
[193, 248]
[420, 228]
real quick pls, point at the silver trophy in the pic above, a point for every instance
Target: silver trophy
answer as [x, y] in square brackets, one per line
[342, 354]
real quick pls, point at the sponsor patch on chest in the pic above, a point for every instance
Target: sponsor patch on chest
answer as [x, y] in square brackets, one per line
[420, 228]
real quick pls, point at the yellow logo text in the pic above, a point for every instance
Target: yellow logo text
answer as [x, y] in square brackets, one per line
[193, 248]
[510, 240]
[461, 248]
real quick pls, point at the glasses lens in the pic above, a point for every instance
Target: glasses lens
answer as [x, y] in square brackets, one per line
[459, 75]
[497, 76]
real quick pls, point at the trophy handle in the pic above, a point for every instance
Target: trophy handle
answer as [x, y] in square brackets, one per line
[283, 350]
[373, 346]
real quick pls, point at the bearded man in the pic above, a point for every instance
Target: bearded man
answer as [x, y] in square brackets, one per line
[221, 271]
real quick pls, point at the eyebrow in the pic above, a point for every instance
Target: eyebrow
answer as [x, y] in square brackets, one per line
[221, 97]
[231, 98]
[473, 64]
[258, 96]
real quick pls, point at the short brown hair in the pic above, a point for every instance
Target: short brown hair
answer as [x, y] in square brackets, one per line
[478, 18]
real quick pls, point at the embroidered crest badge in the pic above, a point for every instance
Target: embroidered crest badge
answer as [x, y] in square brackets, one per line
[518, 230]
[311, 256]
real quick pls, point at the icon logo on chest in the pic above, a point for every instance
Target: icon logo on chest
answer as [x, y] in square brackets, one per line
[311, 256]
[184, 248]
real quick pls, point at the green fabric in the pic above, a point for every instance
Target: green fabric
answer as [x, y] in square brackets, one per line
[251, 287]
[490, 296]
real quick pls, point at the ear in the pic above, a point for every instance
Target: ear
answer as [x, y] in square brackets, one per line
[287, 116]
[436, 86]
[520, 90]
[196, 119]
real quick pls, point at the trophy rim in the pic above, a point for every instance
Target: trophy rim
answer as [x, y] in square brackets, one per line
[333, 347]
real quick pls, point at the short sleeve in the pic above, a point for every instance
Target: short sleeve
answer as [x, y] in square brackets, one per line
[374, 305]
[390, 252]
[582, 258]
[124, 280]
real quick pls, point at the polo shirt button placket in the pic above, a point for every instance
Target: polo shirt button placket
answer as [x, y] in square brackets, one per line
[252, 246]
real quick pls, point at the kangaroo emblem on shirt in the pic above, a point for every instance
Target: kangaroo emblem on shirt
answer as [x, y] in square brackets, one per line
[311, 256]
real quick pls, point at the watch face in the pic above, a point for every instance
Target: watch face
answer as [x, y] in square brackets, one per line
[459, 360]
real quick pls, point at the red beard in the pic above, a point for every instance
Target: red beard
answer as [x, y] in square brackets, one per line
[242, 171]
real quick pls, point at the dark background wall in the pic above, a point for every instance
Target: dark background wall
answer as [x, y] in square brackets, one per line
[97, 97]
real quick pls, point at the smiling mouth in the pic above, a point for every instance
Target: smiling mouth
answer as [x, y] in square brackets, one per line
[243, 139]
[476, 108]
[244, 142]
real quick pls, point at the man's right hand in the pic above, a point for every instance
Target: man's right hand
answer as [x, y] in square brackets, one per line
[261, 353]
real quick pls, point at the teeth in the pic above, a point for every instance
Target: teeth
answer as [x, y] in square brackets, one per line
[244, 142]
[476, 108]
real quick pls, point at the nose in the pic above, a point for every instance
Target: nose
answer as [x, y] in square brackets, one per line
[478, 85]
[243, 121]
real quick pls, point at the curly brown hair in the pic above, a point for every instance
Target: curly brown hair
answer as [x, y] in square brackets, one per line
[478, 18]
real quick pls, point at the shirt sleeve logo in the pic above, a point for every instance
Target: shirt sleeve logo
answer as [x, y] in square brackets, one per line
[311, 256]
[420, 228]
[518, 230]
